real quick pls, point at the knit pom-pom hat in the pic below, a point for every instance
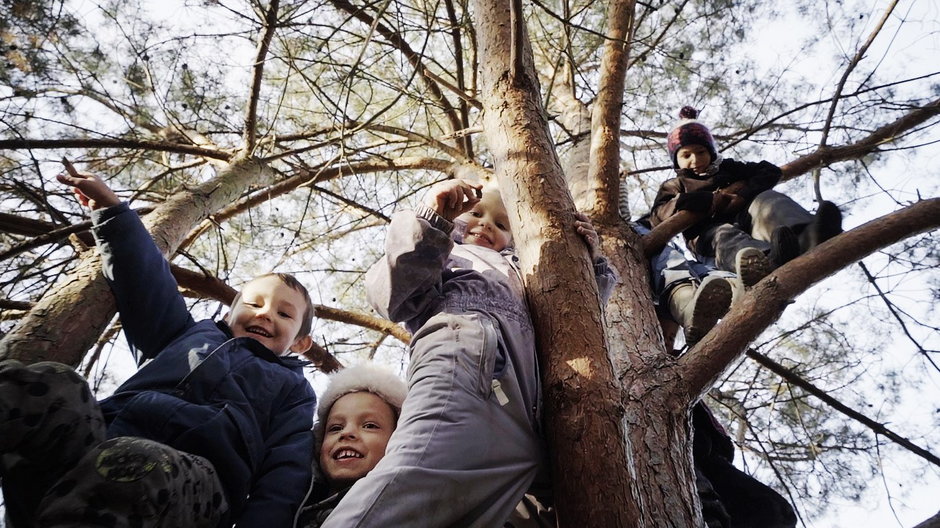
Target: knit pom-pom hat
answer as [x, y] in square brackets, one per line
[364, 377]
[689, 132]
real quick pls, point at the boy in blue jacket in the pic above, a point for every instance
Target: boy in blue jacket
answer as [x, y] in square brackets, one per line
[214, 430]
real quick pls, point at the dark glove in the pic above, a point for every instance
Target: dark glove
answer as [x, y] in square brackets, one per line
[697, 202]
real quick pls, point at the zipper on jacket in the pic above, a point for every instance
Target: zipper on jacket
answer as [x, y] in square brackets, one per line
[500, 395]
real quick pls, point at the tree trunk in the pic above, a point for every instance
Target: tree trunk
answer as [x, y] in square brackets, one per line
[581, 394]
[66, 323]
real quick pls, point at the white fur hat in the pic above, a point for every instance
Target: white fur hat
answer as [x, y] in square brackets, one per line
[364, 377]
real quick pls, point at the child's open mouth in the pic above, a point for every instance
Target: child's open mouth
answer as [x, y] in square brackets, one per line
[257, 330]
[344, 454]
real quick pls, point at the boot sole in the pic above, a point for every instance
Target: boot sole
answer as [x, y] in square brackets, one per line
[751, 265]
[711, 302]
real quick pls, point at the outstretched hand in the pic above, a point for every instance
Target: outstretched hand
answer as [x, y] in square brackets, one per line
[89, 189]
[452, 198]
[589, 234]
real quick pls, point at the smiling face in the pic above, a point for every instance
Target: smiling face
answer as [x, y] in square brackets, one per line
[487, 223]
[355, 437]
[270, 312]
[695, 157]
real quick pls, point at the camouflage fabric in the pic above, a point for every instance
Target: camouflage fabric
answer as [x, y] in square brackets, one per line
[58, 470]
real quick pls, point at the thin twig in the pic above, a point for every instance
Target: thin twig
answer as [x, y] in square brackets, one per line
[878, 428]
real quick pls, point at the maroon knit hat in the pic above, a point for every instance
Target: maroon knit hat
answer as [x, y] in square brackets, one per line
[689, 132]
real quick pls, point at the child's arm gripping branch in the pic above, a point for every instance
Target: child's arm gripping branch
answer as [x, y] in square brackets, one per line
[409, 276]
[151, 307]
[605, 276]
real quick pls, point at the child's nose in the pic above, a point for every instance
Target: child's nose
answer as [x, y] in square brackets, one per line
[348, 432]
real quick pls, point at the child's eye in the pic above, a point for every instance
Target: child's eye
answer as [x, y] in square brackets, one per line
[252, 304]
[475, 214]
[501, 226]
[285, 315]
[370, 425]
[332, 428]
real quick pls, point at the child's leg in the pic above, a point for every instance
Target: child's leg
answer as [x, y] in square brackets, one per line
[464, 452]
[132, 482]
[48, 421]
[771, 209]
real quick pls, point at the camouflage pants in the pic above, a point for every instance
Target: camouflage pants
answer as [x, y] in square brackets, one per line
[58, 470]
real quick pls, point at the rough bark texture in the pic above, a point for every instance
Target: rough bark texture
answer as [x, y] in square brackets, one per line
[581, 395]
[662, 490]
[55, 331]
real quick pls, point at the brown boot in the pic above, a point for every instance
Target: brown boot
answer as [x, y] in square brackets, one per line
[698, 308]
[751, 265]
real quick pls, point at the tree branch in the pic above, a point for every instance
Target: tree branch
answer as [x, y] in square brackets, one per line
[257, 73]
[884, 134]
[758, 309]
[130, 144]
[413, 58]
[604, 165]
[323, 174]
[878, 428]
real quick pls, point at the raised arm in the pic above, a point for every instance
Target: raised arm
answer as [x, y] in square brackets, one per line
[152, 310]
[409, 276]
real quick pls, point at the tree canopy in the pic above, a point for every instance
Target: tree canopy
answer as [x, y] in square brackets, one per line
[299, 127]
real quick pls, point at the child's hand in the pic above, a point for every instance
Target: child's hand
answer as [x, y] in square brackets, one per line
[587, 232]
[452, 198]
[90, 191]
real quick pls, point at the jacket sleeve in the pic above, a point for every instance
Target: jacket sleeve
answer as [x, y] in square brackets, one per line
[606, 278]
[664, 205]
[409, 276]
[152, 310]
[285, 476]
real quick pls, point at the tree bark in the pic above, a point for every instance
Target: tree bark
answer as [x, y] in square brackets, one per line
[604, 173]
[580, 392]
[55, 331]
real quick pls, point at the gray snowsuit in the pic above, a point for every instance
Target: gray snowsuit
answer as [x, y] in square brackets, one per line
[467, 446]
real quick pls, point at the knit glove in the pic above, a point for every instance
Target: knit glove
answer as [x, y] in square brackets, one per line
[697, 202]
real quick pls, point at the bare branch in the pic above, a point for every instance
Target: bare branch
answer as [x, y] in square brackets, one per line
[257, 74]
[869, 144]
[129, 144]
[878, 428]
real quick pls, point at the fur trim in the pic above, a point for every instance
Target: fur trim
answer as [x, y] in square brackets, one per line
[364, 377]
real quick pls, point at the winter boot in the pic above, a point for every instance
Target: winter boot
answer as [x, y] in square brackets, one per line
[697, 309]
[826, 223]
[751, 265]
[784, 246]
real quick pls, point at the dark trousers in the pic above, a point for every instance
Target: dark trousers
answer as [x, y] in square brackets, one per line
[59, 470]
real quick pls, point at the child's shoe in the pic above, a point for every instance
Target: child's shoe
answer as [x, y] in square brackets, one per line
[784, 246]
[826, 223]
[751, 265]
[697, 309]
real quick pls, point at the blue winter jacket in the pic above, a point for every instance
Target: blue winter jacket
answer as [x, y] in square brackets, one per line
[230, 400]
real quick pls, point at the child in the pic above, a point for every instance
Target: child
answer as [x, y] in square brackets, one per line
[749, 229]
[467, 445]
[217, 416]
[355, 419]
